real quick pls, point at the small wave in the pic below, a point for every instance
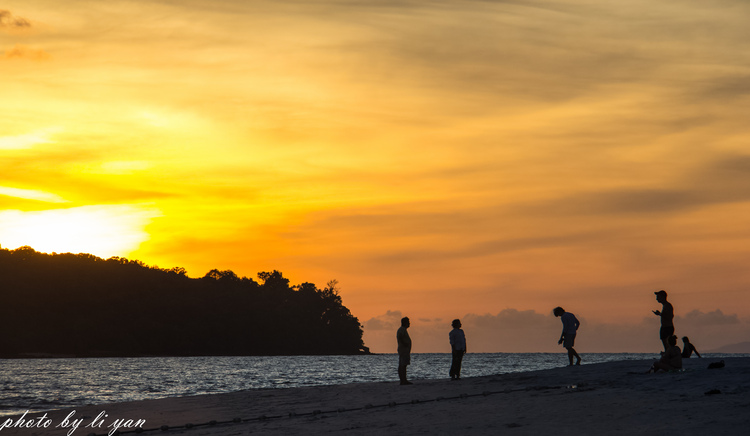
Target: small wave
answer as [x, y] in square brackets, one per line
[53, 403]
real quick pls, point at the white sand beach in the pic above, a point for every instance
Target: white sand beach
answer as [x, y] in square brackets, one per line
[609, 398]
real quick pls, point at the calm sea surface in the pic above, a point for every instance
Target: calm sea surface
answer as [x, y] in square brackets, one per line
[44, 384]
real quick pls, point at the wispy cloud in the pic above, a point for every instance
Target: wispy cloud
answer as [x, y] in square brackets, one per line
[27, 140]
[390, 321]
[697, 319]
[723, 179]
[24, 52]
[8, 20]
[31, 194]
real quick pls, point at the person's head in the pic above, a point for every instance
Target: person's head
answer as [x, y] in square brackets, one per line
[456, 324]
[685, 339]
[661, 296]
[558, 311]
[405, 321]
[672, 340]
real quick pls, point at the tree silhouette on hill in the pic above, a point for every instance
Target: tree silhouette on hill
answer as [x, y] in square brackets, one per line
[82, 305]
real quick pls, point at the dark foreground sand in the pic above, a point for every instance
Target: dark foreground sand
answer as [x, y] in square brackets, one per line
[610, 398]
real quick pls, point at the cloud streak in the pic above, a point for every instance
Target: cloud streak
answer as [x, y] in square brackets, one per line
[27, 140]
[24, 52]
[10, 21]
[726, 179]
[30, 194]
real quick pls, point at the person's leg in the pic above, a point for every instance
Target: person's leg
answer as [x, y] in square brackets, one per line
[572, 351]
[568, 342]
[664, 333]
[402, 375]
[404, 359]
[459, 359]
[405, 382]
[452, 372]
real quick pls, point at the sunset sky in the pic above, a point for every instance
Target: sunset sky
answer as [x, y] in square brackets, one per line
[482, 160]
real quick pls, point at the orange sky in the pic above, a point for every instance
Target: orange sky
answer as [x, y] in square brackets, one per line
[472, 159]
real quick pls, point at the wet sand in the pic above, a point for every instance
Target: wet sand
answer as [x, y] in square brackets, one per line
[610, 398]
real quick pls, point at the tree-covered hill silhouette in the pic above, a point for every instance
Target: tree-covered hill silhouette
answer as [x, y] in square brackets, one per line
[82, 305]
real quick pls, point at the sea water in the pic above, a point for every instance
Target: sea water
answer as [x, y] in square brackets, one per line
[46, 384]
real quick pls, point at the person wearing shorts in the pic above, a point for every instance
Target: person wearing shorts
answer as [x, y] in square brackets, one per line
[568, 336]
[569, 341]
[667, 315]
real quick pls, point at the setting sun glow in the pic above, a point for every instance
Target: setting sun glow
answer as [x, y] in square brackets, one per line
[98, 230]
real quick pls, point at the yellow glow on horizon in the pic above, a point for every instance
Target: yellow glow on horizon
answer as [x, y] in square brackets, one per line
[103, 231]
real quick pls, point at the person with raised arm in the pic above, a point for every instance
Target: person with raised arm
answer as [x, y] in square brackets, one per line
[667, 315]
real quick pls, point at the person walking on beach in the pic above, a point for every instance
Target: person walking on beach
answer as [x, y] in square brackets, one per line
[671, 359]
[458, 347]
[667, 315]
[404, 350]
[688, 348]
[568, 337]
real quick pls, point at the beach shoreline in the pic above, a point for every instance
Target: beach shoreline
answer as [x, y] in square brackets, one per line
[607, 398]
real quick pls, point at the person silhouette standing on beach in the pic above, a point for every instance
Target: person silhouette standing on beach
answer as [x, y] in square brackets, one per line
[404, 350]
[688, 348]
[458, 347]
[667, 315]
[568, 337]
